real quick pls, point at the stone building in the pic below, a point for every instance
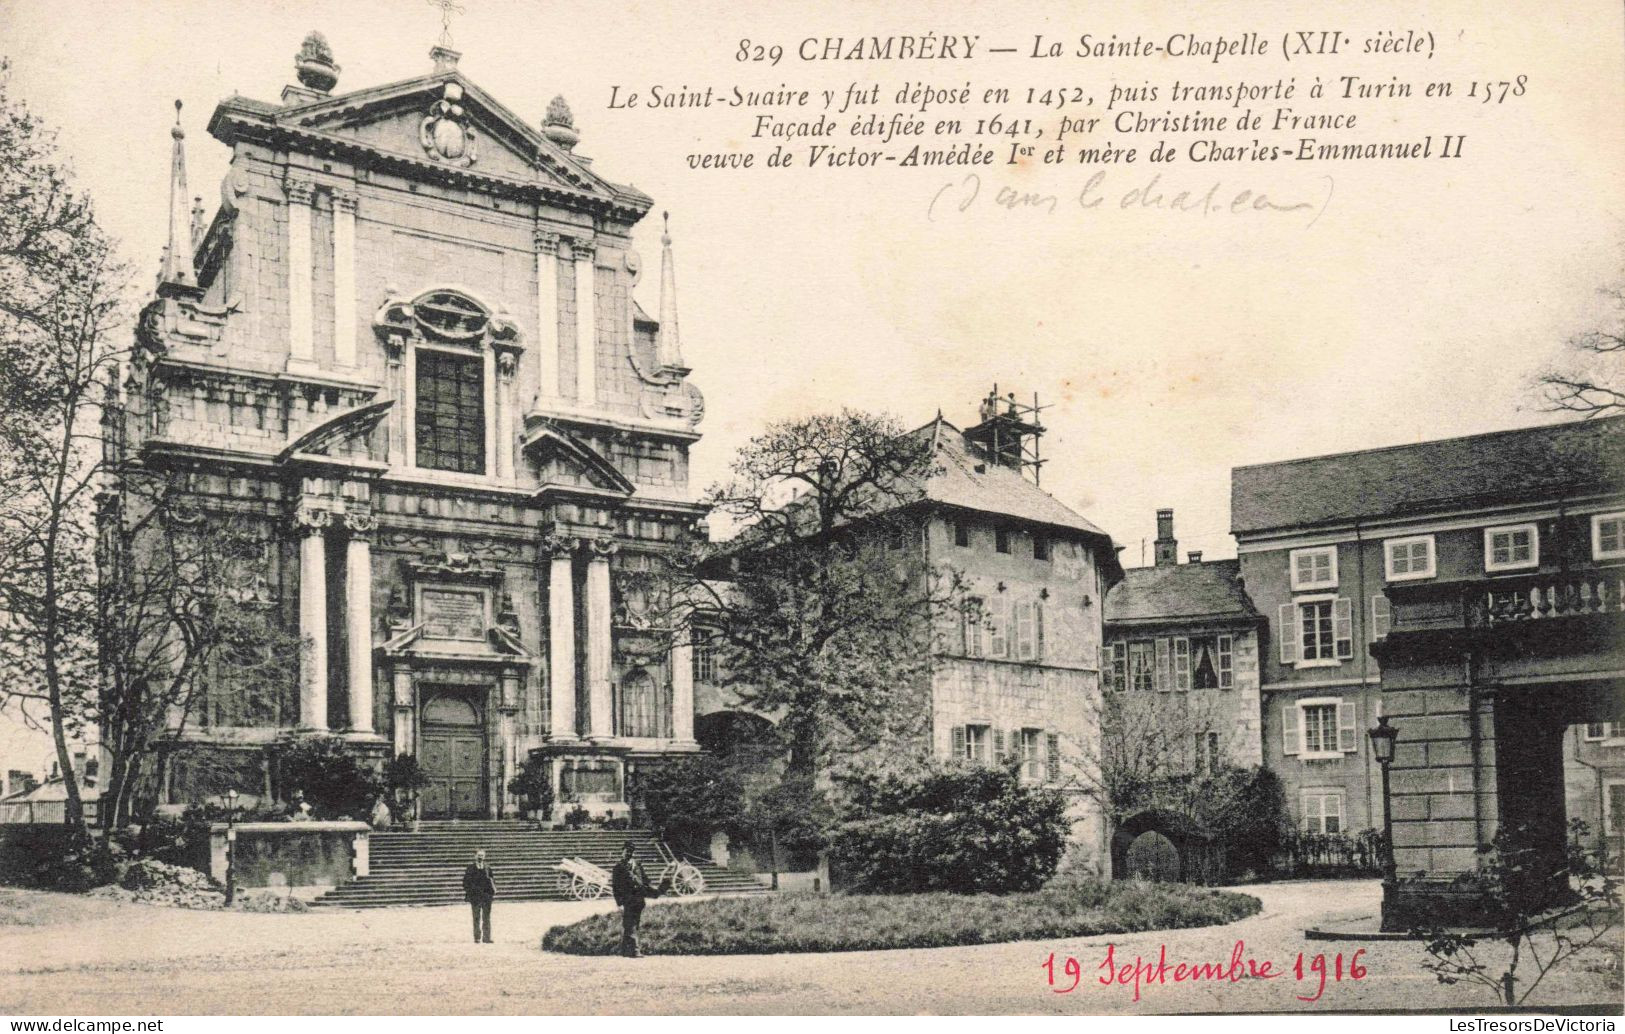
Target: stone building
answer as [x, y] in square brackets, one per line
[404, 359]
[1019, 675]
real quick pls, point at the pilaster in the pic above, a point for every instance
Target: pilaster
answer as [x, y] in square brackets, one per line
[344, 289]
[301, 346]
[586, 324]
[547, 314]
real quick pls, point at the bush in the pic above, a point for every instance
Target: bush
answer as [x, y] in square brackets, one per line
[965, 829]
[816, 922]
[533, 784]
[690, 799]
[336, 783]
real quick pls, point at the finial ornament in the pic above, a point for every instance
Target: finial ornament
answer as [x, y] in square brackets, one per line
[314, 64]
[447, 9]
[558, 125]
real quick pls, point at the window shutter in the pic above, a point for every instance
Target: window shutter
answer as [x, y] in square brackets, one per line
[1161, 675]
[1347, 741]
[1053, 768]
[1343, 627]
[1038, 634]
[959, 742]
[1182, 664]
[1288, 633]
[1382, 616]
[998, 745]
[1289, 729]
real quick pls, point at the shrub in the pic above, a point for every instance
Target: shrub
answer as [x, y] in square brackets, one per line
[960, 828]
[818, 922]
[690, 799]
[336, 783]
[533, 784]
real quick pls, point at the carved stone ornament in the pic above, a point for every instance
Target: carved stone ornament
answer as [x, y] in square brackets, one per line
[311, 519]
[361, 523]
[558, 547]
[603, 549]
[445, 132]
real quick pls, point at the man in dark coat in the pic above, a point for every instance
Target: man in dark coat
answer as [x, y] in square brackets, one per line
[631, 888]
[479, 890]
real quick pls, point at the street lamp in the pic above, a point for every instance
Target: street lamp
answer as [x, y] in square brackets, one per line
[231, 846]
[1383, 739]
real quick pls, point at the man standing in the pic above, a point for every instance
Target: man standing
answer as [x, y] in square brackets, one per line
[630, 887]
[480, 889]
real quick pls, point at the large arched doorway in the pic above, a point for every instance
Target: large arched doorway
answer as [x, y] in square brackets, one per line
[453, 749]
[1152, 856]
[1164, 845]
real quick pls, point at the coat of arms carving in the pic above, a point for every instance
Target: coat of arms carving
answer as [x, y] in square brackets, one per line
[445, 132]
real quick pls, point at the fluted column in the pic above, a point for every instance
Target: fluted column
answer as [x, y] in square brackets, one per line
[600, 698]
[312, 526]
[586, 326]
[561, 640]
[682, 687]
[344, 292]
[358, 617]
[547, 315]
[301, 347]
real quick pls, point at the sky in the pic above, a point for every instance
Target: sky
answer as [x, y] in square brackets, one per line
[1419, 301]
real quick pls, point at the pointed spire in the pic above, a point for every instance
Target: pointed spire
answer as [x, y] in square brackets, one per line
[177, 269]
[671, 344]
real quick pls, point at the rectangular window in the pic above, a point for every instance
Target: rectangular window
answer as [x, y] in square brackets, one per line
[1408, 558]
[1040, 546]
[1608, 536]
[1316, 641]
[1031, 752]
[1613, 806]
[976, 742]
[1182, 664]
[1026, 633]
[1322, 811]
[1319, 729]
[1119, 672]
[1052, 760]
[961, 533]
[1314, 568]
[450, 408]
[1511, 548]
[1207, 752]
[994, 618]
[1227, 662]
[1139, 665]
[705, 657]
[975, 614]
[1001, 540]
[1605, 731]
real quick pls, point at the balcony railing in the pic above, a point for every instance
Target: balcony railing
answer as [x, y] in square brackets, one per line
[1544, 597]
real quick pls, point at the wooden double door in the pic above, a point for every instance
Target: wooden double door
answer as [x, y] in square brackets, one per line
[453, 753]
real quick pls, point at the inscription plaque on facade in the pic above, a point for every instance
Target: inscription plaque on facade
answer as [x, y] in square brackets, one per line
[453, 615]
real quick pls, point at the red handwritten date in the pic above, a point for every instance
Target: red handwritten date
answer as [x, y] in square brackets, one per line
[1065, 975]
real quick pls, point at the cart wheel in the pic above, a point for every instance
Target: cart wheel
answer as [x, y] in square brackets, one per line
[687, 881]
[600, 889]
[580, 889]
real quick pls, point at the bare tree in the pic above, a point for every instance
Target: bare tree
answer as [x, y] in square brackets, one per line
[61, 307]
[1594, 381]
[1147, 752]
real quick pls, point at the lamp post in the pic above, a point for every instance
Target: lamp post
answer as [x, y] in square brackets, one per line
[1383, 739]
[231, 846]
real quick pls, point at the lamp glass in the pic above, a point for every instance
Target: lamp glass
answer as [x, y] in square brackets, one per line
[1383, 736]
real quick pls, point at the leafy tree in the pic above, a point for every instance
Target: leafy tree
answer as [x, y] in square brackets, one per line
[689, 799]
[1514, 892]
[405, 779]
[533, 783]
[823, 621]
[1591, 383]
[948, 826]
[61, 306]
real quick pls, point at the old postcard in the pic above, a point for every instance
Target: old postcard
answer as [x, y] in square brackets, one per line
[656, 508]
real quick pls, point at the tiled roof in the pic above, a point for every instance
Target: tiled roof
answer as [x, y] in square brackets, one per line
[1211, 590]
[968, 481]
[1505, 466]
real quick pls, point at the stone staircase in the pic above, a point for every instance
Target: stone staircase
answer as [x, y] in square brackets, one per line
[426, 867]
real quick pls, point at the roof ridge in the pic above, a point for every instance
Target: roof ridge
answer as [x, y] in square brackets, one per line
[1557, 425]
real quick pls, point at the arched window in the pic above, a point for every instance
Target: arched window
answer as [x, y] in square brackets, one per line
[645, 706]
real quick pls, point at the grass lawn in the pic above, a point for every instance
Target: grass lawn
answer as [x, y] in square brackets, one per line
[840, 922]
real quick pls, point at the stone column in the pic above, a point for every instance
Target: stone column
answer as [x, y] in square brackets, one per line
[507, 364]
[312, 525]
[358, 617]
[561, 639]
[344, 293]
[600, 699]
[682, 687]
[301, 347]
[586, 326]
[547, 315]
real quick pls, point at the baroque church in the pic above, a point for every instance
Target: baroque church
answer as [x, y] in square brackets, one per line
[406, 358]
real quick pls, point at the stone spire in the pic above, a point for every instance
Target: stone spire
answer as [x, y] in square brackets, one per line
[671, 344]
[177, 270]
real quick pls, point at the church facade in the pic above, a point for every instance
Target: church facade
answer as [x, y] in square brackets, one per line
[406, 361]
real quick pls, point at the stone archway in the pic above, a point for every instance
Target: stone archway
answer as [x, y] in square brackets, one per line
[1152, 856]
[1161, 844]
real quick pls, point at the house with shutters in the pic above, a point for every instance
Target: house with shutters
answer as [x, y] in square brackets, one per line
[1018, 674]
[1470, 589]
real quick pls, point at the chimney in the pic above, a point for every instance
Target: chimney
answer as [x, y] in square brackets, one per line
[1194, 556]
[1167, 547]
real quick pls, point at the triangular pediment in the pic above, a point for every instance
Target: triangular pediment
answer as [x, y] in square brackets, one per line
[563, 459]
